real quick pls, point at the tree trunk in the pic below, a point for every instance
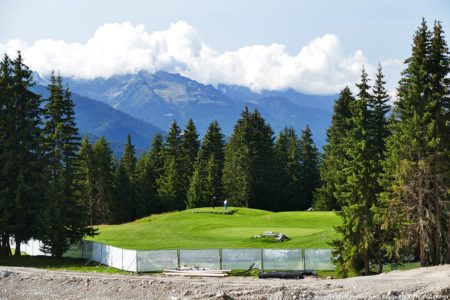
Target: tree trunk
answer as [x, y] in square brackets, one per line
[380, 266]
[437, 231]
[448, 242]
[421, 231]
[5, 248]
[18, 251]
[366, 263]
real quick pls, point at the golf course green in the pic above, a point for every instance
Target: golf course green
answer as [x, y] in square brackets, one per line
[203, 228]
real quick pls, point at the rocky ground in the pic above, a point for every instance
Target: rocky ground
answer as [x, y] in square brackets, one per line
[30, 283]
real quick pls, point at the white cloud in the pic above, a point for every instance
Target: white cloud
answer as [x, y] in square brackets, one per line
[322, 66]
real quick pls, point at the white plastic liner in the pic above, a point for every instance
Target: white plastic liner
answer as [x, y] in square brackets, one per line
[100, 253]
[209, 258]
[87, 250]
[129, 260]
[74, 251]
[148, 261]
[282, 259]
[318, 259]
[240, 259]
[116, 259]
[156, 260]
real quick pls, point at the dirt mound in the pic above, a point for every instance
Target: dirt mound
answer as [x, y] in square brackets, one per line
[30, 283]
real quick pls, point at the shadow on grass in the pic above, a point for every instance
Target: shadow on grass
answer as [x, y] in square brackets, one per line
[221, 212]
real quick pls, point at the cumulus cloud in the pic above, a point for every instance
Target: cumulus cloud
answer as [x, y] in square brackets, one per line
[321, 66]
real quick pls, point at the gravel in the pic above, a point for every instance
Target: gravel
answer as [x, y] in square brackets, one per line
[31, 283]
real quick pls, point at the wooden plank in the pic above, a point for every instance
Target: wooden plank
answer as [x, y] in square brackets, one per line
[207, 271]
[196, 274]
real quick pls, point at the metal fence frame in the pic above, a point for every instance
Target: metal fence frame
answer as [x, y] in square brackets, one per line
[217, 258]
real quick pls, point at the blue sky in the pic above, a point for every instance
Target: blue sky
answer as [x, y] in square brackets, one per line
[222, 37]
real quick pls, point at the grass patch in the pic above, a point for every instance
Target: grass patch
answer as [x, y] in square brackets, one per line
[204, 228]
[61, 264]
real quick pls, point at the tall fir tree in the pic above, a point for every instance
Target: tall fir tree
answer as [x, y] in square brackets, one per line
[190, 146]
[65, 212]
[334, 153]
[417, 158]
[86, 180]
[288, 172]
[357, 192]
[104, 179]
[206, 188]
[149, 169]
[248, 175]
[125, 202]
[171, 184]
[309, 170]
[21, 157]
[438, 110]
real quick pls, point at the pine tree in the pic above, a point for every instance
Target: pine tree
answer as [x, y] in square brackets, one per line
[190, 145]
[171, 184]
[334, 153]
[309, 170]
[6, 127]
[248, 175]
[288, 161]
[149, 168]
[125, 202]
[417, 160]
[357, 193]
[21, 158]
[199, 192]
[206, 185]
[104, 179]
[65, 212]
[438, 131]
[87, 177]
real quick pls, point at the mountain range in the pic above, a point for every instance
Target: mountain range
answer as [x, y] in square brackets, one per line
[144, 104]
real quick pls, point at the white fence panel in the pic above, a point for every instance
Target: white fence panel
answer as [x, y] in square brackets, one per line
[87, 249]
[318, 259]
[129, 260]
[282, 259]
[208, 258]
[116, 257]
[241, 259]
[157, 260]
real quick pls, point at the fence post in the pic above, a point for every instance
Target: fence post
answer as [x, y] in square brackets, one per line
[178, 259]
[304, 258]
[137, 266]
[262, 260]
[220, 258]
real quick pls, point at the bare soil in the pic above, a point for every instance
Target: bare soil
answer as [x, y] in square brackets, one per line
[31, 283]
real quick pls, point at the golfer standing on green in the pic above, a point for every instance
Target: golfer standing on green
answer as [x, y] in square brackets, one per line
[225, 204]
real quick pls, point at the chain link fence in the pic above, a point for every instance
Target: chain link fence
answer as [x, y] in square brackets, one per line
[227, 259]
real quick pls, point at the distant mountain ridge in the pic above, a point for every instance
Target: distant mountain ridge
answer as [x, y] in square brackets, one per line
[97, 119]
[162, 97]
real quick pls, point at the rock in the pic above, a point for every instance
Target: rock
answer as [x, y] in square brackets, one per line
[4, 274]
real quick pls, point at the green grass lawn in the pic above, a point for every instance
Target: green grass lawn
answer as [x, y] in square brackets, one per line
[207, 228]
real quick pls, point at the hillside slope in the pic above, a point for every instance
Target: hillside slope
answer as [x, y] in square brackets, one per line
[207, 228]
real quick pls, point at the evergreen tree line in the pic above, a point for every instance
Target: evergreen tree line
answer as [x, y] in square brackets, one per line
[179, 171]
[388, 170]
[38, 163]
